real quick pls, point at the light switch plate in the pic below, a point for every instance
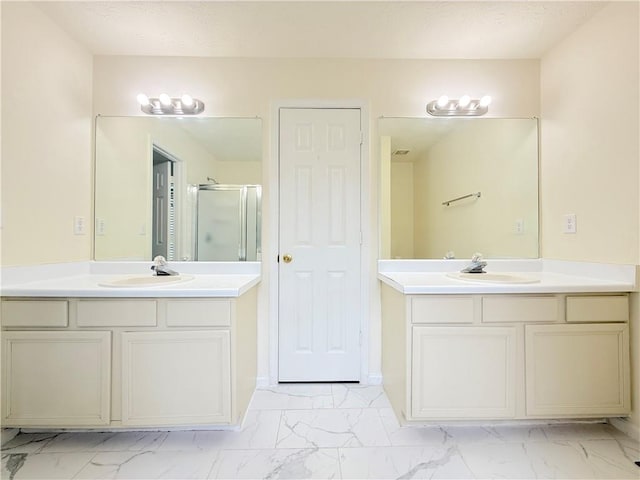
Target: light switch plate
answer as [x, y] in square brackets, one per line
[79, 226]
[569, 223]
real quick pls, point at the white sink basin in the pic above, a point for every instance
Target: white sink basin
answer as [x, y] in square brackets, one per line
[146, 281]
[492, 278]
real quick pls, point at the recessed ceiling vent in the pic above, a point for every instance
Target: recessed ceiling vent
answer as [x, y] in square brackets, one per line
[401, 152]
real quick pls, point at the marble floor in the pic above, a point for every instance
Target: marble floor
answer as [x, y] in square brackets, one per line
[327, 431]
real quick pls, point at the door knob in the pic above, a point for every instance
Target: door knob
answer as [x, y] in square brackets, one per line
[286, 258]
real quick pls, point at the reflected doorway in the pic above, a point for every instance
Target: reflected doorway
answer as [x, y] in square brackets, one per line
[164, 198]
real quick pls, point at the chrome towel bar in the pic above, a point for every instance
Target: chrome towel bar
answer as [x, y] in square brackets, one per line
[448, 202]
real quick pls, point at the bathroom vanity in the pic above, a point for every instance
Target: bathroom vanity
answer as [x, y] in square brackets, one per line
[555, 347]
[79, 354]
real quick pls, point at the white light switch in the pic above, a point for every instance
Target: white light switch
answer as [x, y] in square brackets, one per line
[100, 226]
[519, 226]
[79, 226]
[569, 223]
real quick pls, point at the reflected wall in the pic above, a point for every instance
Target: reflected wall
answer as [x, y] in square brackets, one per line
[433, 161]
[144, 167]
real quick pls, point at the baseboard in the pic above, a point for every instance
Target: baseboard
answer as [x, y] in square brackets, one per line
[262, 382]
[626, 427]
[374, 379]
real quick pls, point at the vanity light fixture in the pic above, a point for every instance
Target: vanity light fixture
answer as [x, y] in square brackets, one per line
[464, 107]
[166, 105]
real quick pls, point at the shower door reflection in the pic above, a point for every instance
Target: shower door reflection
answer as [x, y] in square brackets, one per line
[227, 226]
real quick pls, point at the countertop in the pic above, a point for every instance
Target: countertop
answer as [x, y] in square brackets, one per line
[224, 285]
[84, 280]
[551, 277]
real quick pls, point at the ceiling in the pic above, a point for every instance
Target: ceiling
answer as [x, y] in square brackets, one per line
[322, 29]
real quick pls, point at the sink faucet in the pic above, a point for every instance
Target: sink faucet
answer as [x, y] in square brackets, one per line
[476, 266]
[160, 267]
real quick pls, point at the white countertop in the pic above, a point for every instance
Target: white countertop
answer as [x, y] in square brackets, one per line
[223, 285]
[425, 277]
[80, 280]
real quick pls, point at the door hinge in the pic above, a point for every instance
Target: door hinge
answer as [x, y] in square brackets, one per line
[361, 137]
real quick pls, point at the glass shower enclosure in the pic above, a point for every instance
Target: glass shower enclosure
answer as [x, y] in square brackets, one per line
[228, 223]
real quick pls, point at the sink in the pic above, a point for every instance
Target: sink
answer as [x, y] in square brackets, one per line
[146, 281]
[492, 278]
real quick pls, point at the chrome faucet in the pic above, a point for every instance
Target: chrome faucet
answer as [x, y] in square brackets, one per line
[476, 266]
[160, 267]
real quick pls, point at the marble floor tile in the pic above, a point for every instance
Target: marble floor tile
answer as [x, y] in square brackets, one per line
[610, 459]
[321, 463]
[580, 431]
[412, 435]
[403, 463]
[327, 428]
[259, 430]
[293, 397]
[498, 460]
[347, 395]
[29, 442]
[80, 442]
[335, 431]
[129, 441]
[148, 465]
[494, 434]
[43, 466]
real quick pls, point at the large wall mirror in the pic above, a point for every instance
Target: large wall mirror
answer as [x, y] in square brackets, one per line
[186, 188]
[456, 186]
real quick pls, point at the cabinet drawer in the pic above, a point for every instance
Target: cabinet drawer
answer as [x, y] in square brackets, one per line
[198, 313]
[116, 313]
[598, 309]
[34, 313]
[520, 309]
[444, 309]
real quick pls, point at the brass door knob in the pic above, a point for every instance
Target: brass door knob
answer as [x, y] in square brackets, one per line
[286, 258]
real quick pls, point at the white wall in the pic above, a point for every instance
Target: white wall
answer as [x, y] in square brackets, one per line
[589, 140]
[248, 87]
[590, 150]
[46, 140]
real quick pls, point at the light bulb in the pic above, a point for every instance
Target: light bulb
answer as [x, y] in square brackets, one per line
[164, 99]
[187, 100]
[442, 102]
[485, 101]
[142, 99]
[464, 101]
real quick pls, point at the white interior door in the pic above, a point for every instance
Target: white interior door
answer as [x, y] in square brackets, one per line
[320, 237]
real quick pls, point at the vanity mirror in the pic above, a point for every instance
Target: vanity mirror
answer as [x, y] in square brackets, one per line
[456, 186]
[186, 188]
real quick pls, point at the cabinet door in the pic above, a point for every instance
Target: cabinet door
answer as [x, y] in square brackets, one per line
[176, 378]
[463, 372]
[56, 378]
[574, 370]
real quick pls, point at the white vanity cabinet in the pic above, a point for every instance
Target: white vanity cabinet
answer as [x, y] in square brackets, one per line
[578, 369]
[507, 356]
[463, 372]
[179, 377]
[56, 378]
[128, 362]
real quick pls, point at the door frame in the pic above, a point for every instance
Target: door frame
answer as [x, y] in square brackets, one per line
[274, 231]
